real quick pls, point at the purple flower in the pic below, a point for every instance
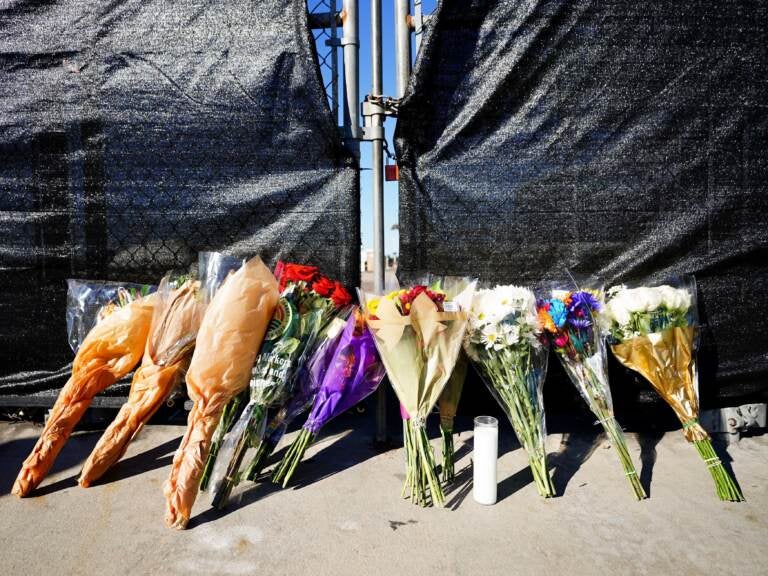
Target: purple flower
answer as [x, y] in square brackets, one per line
[584, 300]
[580, 323]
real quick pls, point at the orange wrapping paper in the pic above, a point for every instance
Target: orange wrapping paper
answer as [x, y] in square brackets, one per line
[665, 359]
[109, 352]
[166, 357]
[229, 338]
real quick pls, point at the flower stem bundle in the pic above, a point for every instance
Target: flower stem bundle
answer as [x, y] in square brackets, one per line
[504, 340]
[448, 405]
[347, 374]
[653, 330]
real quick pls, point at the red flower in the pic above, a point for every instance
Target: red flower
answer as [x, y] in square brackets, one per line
[340, 296]
[297, 273]
[561, 340]
[323, 286]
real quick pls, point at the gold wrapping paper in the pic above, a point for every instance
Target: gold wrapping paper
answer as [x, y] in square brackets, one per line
[665, 359]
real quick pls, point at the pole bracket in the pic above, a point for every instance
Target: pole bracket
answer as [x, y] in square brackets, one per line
[380, 105]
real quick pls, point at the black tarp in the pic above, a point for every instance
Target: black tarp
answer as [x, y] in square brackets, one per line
[627, 139]
[135, 134]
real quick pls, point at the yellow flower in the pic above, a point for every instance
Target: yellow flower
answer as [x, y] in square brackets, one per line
[373, 305]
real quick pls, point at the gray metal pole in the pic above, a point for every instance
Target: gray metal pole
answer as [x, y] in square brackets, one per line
[377, 121]
[402, 45]
[351, 45]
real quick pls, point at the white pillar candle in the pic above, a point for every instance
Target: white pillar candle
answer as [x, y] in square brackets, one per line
[485, 455]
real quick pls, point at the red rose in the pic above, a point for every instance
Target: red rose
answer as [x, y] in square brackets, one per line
[340, 296]
[297, 273]
[323, 286]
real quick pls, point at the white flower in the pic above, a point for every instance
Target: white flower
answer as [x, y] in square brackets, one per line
[617, 309]
[492, 338]
[675, 298]
[511, 333]
[614, 291]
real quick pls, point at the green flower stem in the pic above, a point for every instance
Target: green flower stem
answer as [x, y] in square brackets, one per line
[232, 476]
[593, 390]
[448, 468]
[292, 457]
[511, 374]
[225, 423]
[259, 461]
[726, 487]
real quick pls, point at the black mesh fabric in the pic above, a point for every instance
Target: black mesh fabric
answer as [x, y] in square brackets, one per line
[135, 134]
[627, 139]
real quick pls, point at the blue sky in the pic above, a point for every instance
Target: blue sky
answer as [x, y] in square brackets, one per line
[390, 188]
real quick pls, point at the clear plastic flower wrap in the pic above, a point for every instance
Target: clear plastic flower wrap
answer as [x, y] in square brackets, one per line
[507, 346]
[89, 301]
[570, 317]
[654, 330]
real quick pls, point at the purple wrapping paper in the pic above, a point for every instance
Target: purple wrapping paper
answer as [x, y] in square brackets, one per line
[351, 374]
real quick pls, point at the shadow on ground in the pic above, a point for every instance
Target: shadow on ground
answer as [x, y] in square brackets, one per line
[575, 449]
[336, 454]
[74, 453]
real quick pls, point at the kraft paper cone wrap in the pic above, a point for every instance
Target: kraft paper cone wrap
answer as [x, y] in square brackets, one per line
[418, 361]
[665, 359]
[166, 358]
[229, 338]
[110, 351]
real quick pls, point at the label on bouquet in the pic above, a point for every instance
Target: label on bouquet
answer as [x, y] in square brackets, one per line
[451, 306]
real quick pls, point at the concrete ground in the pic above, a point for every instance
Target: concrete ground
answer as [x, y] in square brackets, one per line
[344, 514]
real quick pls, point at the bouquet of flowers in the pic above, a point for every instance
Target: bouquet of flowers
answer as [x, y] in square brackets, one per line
[346, 375]
[308, 302]
[229, 337]
[111, 349]
[418, 333]
[302, 398]
[653, 330]
[569, 319]
[447, 405]
[506, 344]
[168, 350]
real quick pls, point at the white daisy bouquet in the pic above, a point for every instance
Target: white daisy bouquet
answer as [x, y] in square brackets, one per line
[653, 330]
[506, 344]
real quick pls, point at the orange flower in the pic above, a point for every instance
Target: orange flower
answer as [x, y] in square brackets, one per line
[545, 320]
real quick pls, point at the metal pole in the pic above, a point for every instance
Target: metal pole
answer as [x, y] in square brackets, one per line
[377, 156]
[351, 47]
[402, 45]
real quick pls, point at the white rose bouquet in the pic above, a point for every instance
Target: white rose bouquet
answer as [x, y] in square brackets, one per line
[653, 330]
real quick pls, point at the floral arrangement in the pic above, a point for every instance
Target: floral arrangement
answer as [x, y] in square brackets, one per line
[504, 340]
[569, 320]
[418, 332]
[653, 331]
[346, 375]
[308, 303]
[230, 333]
